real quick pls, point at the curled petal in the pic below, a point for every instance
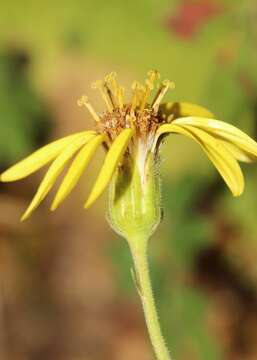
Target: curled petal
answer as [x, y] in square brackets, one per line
[227, 132]
[221, 158]
[53, 172]
[76, 169]
[184, 109]
[112, 159]
[40, 158]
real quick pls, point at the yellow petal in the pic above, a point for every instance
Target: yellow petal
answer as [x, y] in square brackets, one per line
[112, 159]
[76, 169]
[224, 131]
[39, 158]
[217, 153]
[238, 153]
[181, 109]
[53, 172]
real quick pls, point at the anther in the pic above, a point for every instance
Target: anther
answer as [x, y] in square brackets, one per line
[111, 79]
[120, 96]
[99, 86]
[166, 85]
[118, 91]
[138, 95]
[134, 100]
[153, 75]
[83, 101]
[110, 95]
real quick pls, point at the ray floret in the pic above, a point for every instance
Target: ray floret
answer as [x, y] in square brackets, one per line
[223, 131]
[221, 158]
[111, 162]
[76, 169]
[40, 158]
[53, 172]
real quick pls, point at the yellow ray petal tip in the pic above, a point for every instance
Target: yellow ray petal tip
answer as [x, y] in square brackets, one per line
[54, 206]
[3, 177]
[88, 203]
[25, 216]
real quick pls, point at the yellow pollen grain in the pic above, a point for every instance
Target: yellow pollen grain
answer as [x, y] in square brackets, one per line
[99, 86]
[83, 101]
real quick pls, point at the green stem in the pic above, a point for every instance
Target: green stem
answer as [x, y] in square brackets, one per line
[143, 282]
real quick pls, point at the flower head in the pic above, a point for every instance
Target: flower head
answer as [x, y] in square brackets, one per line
[134, 130]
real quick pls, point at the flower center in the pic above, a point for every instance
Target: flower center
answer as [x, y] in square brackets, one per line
[139, 113]
[145, 121]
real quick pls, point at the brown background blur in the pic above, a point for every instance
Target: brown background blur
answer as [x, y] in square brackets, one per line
[66, 291]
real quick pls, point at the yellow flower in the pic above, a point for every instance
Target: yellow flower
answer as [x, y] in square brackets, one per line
[131, 134]
[134, 129]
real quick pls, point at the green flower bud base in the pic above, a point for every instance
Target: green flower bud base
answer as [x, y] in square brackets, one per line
[135, 213]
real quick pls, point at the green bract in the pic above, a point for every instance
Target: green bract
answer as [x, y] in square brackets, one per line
[134, 207]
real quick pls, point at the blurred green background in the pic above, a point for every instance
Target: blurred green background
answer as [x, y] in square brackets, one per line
[65, 284]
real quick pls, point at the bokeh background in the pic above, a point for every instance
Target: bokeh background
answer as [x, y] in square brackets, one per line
[66, 291]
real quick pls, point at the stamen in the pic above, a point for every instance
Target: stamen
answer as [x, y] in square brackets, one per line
[134, 100]
[120, 96]
[118, 91]
[83, 101]
[141, 93]
[110, 95]
[111, 79]
[99, 85]
[166, 85]
[152, 76]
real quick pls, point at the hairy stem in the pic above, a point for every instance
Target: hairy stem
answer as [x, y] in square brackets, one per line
[142, 278]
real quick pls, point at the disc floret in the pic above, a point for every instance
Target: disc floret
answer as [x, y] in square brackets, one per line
[139, 113]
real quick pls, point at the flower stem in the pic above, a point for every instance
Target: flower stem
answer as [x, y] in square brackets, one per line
[142, 278]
